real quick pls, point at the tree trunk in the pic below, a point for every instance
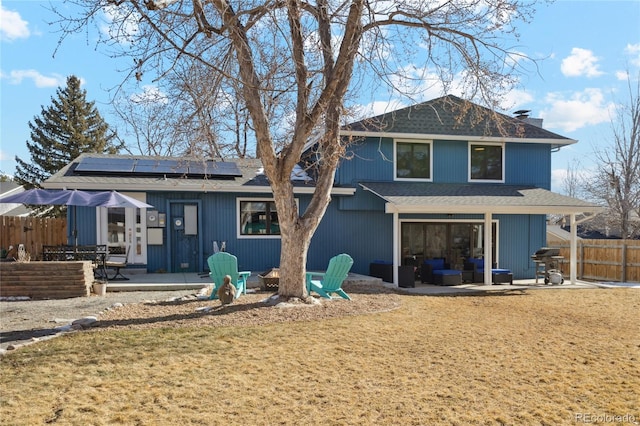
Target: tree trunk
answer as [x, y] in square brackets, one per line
[296, 233]
[293, 261]
[297, 230]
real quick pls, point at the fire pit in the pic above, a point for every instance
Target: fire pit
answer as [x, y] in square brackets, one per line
[547, 262]
[270, 280]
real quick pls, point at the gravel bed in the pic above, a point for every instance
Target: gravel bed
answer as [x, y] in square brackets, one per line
[27, 321]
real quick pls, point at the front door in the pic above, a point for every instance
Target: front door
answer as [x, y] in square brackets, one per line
[185, 244]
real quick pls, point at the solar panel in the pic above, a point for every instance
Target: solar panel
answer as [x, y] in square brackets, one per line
[146, 167]
[158, 167]
[106, 165]
[201, 168]
[226, 168]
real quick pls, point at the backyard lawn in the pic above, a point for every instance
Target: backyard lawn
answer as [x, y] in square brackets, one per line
[540, 357]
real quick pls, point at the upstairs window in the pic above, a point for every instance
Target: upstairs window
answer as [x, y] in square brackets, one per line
[413, 160]
[486, 162]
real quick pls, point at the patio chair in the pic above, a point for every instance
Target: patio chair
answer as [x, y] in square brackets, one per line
[221, 264]
[117, 262]
[430, 265]
[332, 279]
[476, 266]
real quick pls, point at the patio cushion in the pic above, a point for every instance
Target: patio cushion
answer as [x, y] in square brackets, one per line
[446, 272]
[435, 263]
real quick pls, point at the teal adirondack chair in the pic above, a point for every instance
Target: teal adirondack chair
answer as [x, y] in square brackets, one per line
[221, 264]
[331, 280]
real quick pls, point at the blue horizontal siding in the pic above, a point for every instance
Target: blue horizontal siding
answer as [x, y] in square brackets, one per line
[528, 164]
[357, 224]
[520, 237]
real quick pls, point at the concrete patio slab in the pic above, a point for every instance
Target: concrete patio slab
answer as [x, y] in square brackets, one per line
[196, 281]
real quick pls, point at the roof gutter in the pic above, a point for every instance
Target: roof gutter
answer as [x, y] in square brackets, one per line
[182, 187]
[358, 133]
[391, 207]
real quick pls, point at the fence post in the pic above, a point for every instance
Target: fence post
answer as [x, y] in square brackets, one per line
[623, 278]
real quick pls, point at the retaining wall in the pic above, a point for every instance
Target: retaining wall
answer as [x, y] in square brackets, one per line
[46, 280]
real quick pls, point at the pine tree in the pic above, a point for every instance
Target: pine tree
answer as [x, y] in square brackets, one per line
[67, 128]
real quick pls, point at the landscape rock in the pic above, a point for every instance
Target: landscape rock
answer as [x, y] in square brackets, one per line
[85, 322]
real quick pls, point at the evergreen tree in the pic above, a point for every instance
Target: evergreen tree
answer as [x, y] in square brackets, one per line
[67, 128]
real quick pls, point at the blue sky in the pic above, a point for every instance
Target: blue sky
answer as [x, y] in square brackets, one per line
[583, 47]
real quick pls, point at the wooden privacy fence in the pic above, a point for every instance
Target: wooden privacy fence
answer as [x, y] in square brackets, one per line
[603, 260]
[33, 232]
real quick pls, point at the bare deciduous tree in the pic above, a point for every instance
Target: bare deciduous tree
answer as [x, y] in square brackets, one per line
[148, 123]
[294, 60]
[617, 179]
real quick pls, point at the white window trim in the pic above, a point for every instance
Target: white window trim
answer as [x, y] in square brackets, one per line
[469, 151]
[241, 236]
[395, 160]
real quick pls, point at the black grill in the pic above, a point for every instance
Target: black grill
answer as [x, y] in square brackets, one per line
[547, 262]
[545, 252]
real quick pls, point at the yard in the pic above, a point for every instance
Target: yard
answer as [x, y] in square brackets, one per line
[545, 357]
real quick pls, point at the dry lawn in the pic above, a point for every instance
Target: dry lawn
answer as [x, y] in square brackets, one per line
[542, 357]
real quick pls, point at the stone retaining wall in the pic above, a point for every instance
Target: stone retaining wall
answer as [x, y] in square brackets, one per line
[46, 280]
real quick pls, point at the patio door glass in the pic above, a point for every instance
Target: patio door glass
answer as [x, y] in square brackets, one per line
[452, 241]
[117, 230]
[121, 228]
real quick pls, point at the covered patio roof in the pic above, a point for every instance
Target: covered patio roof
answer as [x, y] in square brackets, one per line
[485, 199]
[427, 197]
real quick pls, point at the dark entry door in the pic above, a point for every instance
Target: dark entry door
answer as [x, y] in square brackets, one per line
[184, 237]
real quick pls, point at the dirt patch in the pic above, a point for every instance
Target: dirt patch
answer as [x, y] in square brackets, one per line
[250, 309]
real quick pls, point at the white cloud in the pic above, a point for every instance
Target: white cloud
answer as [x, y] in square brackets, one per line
[633, 50]
[516, 99]
[16, 77]
[121, 23]
[581, 62]
[622, 75]
[378, 107]
[578, 110]
[150, 94]
[13, 26]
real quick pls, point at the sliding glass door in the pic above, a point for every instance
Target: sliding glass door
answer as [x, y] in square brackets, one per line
[453, 241]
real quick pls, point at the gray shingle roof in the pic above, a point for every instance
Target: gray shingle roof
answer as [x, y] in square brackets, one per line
[475, 198]
[250, 181]
[453, 116]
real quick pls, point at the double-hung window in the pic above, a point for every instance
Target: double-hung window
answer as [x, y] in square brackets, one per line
[413, 160]
[486, 162]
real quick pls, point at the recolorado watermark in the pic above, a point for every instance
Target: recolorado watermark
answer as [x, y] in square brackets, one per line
[606, 418]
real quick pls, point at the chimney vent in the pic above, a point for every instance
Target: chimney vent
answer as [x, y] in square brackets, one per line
[522, 113]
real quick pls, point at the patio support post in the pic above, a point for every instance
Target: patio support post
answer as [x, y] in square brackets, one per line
[488, 248]
[396, 247]
[573, 250]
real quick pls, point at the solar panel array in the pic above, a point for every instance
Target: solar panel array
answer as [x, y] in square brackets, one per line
[158, 167]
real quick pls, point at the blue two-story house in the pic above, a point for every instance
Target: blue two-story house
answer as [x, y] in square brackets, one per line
[442, 179]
